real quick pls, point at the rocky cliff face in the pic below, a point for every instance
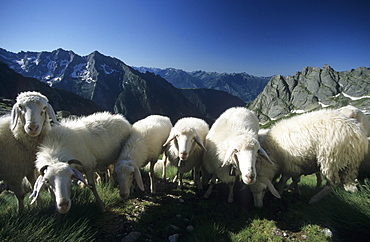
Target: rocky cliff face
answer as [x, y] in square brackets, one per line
[313, 88]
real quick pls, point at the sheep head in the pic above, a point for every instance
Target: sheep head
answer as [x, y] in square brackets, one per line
[126, 171]
[185, 140]
[259, 189]
[32, 110]
[58, 178]
[241, 155]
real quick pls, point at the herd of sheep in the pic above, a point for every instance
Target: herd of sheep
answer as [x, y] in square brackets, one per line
[49, 153]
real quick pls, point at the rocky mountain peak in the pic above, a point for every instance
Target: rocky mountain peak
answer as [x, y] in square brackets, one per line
[313, 88]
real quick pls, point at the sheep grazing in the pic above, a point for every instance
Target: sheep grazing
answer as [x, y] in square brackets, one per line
[87, 144]
[20, 134]
[323, 141]
[231, 149]
[143, 146]
[185, 147]
[266, 173]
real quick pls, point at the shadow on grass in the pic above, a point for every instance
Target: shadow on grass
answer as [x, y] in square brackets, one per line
[186, 213]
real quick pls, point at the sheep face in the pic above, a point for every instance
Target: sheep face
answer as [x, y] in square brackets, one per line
[242, 154]
[258, 189]
[126, 171]
[185, 142]
[58, 178]
[32, 111]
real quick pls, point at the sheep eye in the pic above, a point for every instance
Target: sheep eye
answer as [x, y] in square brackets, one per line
[20, 107]
[46, 181]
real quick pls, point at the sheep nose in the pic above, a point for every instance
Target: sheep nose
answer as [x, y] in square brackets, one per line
[249, 179]
[183, 155]
[124, 195]
[63, 205]
[33, 127]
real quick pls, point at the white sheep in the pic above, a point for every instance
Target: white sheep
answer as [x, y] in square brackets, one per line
[89, 144]
[364, 169]
[185, 147]
[321, 140]
[143, 146]
[358, 115]
[231, 149]
[20, 134]
[266, 173]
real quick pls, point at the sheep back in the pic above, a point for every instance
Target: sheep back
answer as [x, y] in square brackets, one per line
[235, 128]
[323, 139]
[146, 139]
[95, 140]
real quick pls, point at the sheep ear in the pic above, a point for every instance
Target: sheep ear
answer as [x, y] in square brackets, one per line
[169, 139]
[262, 153]
[272, 189]
[199, 142]
[42, 170]
[51, 113]
[15, 114]
[138, 178]
[74, 161]
[80, 177]
[36, 189]
[229, 153]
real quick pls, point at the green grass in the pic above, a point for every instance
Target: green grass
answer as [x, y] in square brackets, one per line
[172, 211]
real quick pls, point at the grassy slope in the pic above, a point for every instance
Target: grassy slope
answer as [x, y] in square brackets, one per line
[171, 211]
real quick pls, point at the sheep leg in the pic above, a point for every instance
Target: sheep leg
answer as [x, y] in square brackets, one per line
[296, 180]
[281, 184]
[91, 182]
[209, 191]
[197, 179]
[319, 179]
[111, 174]
[180, 184]
[230, 198]
[176, 177]
[205, 177]
[151, 176]
[18, 190]
[164, 160]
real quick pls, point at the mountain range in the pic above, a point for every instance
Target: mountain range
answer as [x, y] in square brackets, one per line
[116, 87]
[12, 83]
[242, 85]
[140, 91]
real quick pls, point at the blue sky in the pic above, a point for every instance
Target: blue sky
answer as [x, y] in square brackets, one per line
[259, 37]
